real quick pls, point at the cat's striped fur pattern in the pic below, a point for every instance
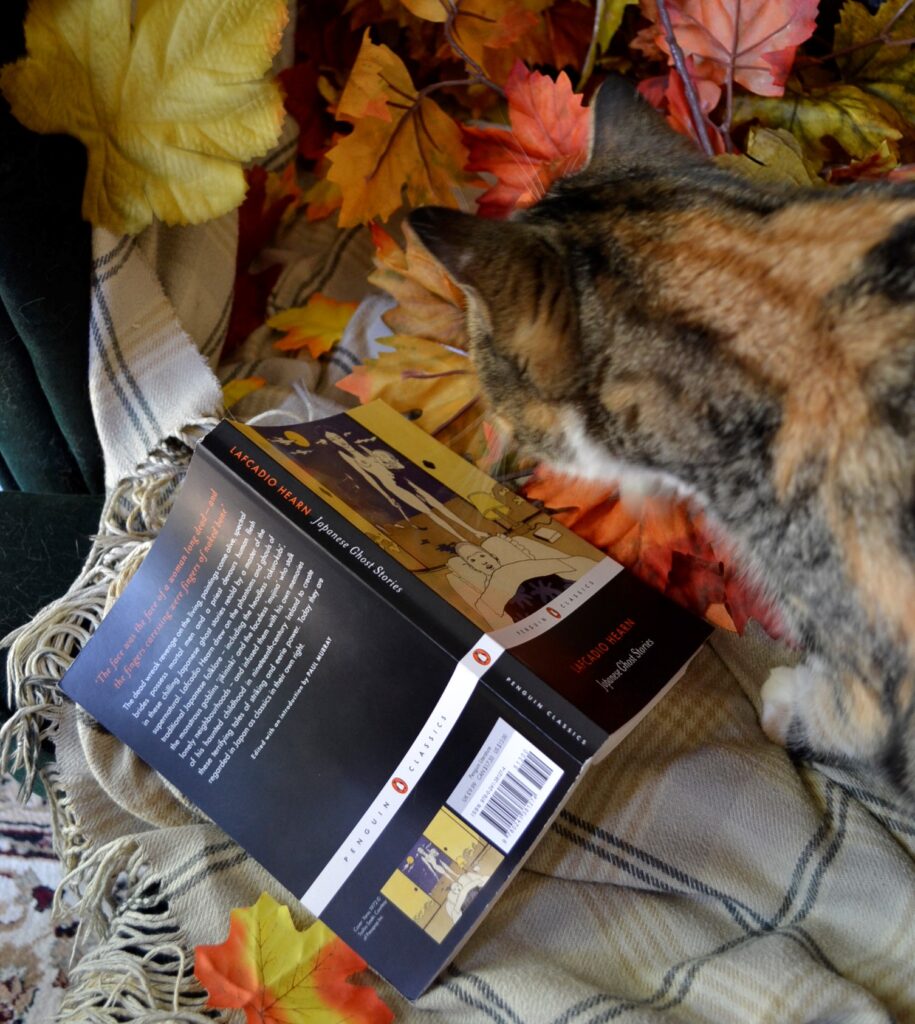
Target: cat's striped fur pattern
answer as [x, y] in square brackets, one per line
[656, 318]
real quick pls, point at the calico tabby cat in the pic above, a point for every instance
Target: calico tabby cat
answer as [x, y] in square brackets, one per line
[655, 318]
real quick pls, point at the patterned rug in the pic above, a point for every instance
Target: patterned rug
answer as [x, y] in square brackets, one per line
[34, 949]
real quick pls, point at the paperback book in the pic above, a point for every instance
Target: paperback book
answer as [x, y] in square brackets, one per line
[379, 670]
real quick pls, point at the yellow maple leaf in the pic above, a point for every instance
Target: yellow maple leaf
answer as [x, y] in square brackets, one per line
[885, 70]
[401, 141]
[773, 157]
[279, 975]
[610, 20]
[844, 113]
[437, 388]
[168, 107]
[317, 326]
[429, 303]
[236, 390]
[421, 377]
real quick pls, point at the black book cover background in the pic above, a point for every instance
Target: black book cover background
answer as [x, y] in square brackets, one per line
[387, 664]
[373, 691]
[323, 782]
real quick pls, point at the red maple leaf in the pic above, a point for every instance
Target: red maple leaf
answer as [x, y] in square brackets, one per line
[548, 139]
[666, 542]
[667, 94]
[258, 219]
[752, 42]
[305, 103]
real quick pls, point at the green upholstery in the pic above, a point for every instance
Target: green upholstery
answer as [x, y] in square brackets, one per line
[50, 458]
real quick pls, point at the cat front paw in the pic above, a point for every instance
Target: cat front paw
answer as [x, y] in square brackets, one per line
[778, 703]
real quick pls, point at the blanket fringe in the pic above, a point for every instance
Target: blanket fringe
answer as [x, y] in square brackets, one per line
[41, 651]
[139, 969]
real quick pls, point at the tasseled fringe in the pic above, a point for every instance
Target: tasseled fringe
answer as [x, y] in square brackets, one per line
[69, 839]
[41, 651]
[139, 969]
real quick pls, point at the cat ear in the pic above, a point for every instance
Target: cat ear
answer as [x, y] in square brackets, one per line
[626, 131]
[467, 247]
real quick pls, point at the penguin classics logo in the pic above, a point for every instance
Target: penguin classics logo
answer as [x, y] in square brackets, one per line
[553, 612]
[399, 785]
[481, 657]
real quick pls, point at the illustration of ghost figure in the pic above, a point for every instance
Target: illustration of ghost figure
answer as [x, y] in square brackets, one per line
[436, 866]
[378, 467]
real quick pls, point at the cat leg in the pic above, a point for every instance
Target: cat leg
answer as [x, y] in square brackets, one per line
[825, 714]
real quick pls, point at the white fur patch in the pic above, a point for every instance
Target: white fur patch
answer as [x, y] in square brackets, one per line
[779, 696]
[592, 462]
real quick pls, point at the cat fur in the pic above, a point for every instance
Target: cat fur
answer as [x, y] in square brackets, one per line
[660, 320]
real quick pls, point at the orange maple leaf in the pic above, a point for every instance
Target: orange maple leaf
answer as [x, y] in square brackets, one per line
[422, 378]
[317, 326]
[429, 303]
[666, 543]
[565, 30]
[401, 142]
[548, 139]
[485, 31]
[279, 975]
[752, 42]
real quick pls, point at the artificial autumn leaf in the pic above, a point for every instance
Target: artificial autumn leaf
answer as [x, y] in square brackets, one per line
[610, 20]
[429, 303]
[280, 975]
[874, 167]
[773, 157]
[437, 388]
[548, 139]
[168, 107]
[665, 542]
[668, 94]
[423, 378]
[236, 390]
[884, 70]
[479, 29]
[317, 326]
[270, 200]
[566, 27]
[306, 104]
[401, 142]
[371, 12]
[842, 113]
[323, 197]
[752, 42]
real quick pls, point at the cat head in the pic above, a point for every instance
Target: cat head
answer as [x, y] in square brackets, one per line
[528, 280]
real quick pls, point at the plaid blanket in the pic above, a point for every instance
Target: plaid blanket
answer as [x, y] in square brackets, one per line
[697, 875]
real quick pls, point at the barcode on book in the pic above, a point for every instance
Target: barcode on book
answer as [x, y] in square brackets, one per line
[506, 784]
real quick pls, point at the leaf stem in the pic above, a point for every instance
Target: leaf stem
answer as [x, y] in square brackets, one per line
[479, 75]
[729, 84]
[591, 58]
[692, 97]
[883, 38]
[408, 111]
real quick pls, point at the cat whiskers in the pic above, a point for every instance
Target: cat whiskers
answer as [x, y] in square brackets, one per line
[536, 189]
